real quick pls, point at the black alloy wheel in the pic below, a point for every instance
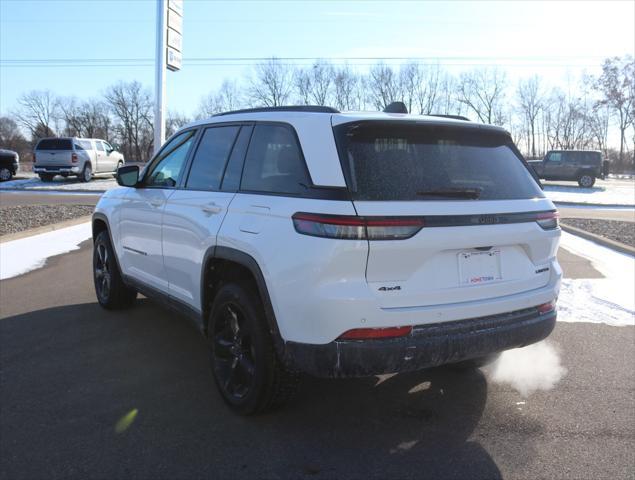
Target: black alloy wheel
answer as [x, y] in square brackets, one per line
[233, 350]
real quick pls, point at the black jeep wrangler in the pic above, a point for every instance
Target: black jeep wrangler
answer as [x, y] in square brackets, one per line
[583, 166]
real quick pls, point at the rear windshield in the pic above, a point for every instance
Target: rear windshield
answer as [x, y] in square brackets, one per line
[407, 161]
[55, 144]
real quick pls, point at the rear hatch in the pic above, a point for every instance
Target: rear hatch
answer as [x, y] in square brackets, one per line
[468, 205]
[54, 152]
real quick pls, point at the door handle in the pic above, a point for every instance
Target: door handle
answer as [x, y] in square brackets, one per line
[156, 203]
[211, 208]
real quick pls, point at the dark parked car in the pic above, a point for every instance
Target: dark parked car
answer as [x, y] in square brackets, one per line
[584, 166]
[9, 162]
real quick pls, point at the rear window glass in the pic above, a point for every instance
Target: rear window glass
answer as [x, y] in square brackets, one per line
[55, 144]
[399, 161]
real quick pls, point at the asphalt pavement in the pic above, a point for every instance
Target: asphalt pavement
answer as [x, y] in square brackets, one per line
[71, 371]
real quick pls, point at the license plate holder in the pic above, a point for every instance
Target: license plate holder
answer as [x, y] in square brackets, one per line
[478, 268]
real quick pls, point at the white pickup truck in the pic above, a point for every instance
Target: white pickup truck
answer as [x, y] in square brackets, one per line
[80, 157]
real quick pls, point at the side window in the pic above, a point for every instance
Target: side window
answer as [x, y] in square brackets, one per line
[99, 146]
[555, 157]
[78, 146]
[210, 158]
[86, 144]
[570, 157]
[274, 162]
[107, 146]
[168, 165]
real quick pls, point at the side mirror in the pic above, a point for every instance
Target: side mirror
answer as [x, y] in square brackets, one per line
[128, 175]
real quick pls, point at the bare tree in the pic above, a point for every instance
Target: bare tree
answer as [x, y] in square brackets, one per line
[530, 100]
[345, 83]
[173, 122]
[38, 112]
[410, 81]
[383, 86]
[616, 86]
[11, 137]
[482, 91]
[131, 105]
[314, 84]
[567, 125]
[272, 84]
[227, 98]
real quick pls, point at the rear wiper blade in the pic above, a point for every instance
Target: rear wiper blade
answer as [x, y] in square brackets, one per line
[470, 193]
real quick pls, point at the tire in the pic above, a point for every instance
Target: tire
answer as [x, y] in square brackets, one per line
[246, 369]
[475, 363]
[5, 174]
[586, 180]
[47, 177]
[119, 165]
[87, 173]
[112, 293]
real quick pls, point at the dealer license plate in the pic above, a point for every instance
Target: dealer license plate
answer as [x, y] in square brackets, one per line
[477, 268]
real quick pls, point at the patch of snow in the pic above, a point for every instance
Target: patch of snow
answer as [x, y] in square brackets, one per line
[609, 300]
[23, 255]
[60, 183]
[603, 193]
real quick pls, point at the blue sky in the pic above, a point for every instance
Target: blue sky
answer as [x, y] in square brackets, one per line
[557, 40]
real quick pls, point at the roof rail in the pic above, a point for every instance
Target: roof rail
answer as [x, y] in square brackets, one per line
[455, 117]
[289, 108]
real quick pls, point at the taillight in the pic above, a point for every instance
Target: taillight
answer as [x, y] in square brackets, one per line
[74, 157]
[548, 220]
[371, 333]
[356, 228]
[546, 307]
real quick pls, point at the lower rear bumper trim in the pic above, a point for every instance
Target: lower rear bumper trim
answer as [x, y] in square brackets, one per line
[427, 346]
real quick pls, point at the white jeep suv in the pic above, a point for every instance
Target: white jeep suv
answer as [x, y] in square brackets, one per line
[302, 239]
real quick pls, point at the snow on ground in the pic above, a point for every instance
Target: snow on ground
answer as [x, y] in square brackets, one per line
[26, 254]
[60, 183]
[609, 300]
[604, 192]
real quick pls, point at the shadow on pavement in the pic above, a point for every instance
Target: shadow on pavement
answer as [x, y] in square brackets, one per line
[70, 373]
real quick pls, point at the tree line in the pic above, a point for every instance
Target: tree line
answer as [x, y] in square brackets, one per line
[585, 115]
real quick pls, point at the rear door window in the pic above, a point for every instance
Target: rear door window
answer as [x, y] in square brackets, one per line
[211, 157]
[55, 144]
[555, 157]
[409, 161]
[99, 146]
[274, 162]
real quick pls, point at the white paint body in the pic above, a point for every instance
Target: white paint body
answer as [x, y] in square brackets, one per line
[323, 287]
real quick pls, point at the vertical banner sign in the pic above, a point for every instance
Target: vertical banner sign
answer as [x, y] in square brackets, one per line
[174, 35]
[168, 56]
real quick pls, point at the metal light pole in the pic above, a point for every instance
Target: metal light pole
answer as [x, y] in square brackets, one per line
[159, 82]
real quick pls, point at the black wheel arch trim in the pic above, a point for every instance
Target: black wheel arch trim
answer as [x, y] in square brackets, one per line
[250, 263]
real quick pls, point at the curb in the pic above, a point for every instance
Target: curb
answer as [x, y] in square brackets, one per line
[44, 229]
[605, 242]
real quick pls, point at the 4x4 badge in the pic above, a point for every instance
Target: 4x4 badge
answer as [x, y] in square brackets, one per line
[389, 289]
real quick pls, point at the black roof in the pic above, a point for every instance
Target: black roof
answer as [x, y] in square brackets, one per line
[289, 108]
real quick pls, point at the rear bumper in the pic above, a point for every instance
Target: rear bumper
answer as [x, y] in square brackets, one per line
[428, 345]
[57, 169]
